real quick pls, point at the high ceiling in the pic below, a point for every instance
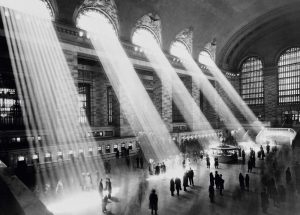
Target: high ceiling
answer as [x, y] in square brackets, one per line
[209, 18]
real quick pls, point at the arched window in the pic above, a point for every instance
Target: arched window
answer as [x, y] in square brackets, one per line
[48, 8]
[92, 19]
[179, 49]
[252, 81]
[144, 37]
[289, 76]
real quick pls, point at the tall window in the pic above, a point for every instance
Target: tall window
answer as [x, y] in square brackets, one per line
[85, 100]
[289, 76]
[10, 108]
[252, 81]
[110, 105]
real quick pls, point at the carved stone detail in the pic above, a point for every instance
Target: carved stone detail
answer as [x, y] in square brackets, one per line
[210, 48]
[50, 8]
[151, 22]
[108, 7]
[186, 37]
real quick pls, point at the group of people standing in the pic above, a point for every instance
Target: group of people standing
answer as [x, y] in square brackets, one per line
[215, 181]
[188, 180]
[216, 159]
[244, 182]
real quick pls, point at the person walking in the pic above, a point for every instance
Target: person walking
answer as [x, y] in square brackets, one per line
[211, 192]
[108, 187]
[100, 188]
[243, 156]
[288, 176]
[242, 182]
[221, 184]
[217, 181]
[178, 185]
[216, 163]
[172, 186]
[207, 161]
[185, 181]
[268, 148]
[249, 165]
[247, 182]
[153, 202]
[191, 177]
[211, 179]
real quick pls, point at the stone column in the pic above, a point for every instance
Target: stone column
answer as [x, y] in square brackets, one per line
[162, 93]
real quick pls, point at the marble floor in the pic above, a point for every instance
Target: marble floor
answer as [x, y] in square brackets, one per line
[130, 196]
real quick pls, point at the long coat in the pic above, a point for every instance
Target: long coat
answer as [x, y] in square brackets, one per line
[153, 201]
[178, 184]
[172, 185]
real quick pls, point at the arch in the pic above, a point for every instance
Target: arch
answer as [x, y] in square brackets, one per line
[178, 48]
[143, 36]
[252, 85]
[50, 8]
[151, 23]
[107, 8]
[289, 76]
[185, 37]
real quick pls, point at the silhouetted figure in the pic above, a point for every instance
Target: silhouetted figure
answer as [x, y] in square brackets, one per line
[207, 161]
[288, 176]
[191, 176]
[185, 181]
[217, 180]
[211, 179]
[211, 192]
[263, 155]
[153, 202]
[264, 200]
[178, 185]
[117, 154]
[247, 182]
[268, 148]
[157, 169]
[216, 162]
[137, 162]
[249, 165]
[242, 182]
[221, 184]
[100, 188]
[172, 186]
[108, 187]
[243, 156]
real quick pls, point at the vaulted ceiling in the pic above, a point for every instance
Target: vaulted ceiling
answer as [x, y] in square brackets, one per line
[221, 19]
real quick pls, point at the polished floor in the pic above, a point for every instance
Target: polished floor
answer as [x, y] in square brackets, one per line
[130, 196]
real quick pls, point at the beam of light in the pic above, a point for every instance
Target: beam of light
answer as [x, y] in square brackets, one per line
[45, 86]
[276, 136]
[171, 83]
[205, 59]
[201, 82]
[135, 103]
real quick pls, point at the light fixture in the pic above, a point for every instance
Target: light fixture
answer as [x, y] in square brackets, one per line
[81, 33]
